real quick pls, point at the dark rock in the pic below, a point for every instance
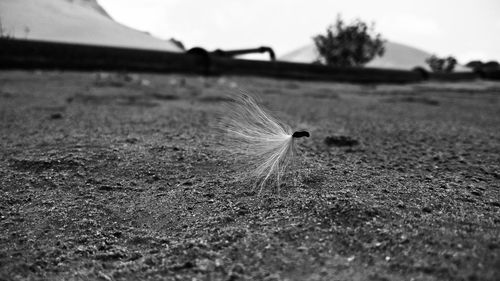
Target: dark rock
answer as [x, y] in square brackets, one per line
[55, 116]
[186, 265]
[109, 256]
[106, 187]
[340, 141]
[496, 204]
[131, 140]
[477, 193]
[238, 268]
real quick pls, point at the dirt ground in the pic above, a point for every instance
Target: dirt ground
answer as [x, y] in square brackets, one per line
[121, 177]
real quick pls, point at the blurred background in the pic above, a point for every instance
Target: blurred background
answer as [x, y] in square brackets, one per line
[413, 30]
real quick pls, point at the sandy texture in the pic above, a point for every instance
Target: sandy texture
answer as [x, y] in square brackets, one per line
[120, 177]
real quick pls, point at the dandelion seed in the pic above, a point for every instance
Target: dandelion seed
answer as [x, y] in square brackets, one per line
[268, 143]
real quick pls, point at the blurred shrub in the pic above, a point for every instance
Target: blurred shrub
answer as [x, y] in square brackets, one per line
[442, 65]
[474, 65]
[487, 70]
[352, 44]
[479, 65]
[3, 33]
[491, 65]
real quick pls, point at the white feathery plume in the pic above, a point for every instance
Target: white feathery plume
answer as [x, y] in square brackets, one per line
[268, 143]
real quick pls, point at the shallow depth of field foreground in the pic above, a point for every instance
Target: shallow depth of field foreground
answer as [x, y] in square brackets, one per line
[122, 177]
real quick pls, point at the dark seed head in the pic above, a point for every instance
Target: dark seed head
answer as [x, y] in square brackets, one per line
[300, 134]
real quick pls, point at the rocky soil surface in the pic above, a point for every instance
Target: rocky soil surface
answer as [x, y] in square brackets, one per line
[122, 177]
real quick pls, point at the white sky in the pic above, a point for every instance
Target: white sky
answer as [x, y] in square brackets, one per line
[466, 29]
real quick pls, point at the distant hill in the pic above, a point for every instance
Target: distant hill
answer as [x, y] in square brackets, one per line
[396, 56]
[73, 21]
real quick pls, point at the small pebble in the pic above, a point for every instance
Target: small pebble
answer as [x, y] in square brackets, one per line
[56, 116]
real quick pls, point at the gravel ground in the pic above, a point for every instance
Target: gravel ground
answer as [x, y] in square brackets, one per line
[121, 177]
